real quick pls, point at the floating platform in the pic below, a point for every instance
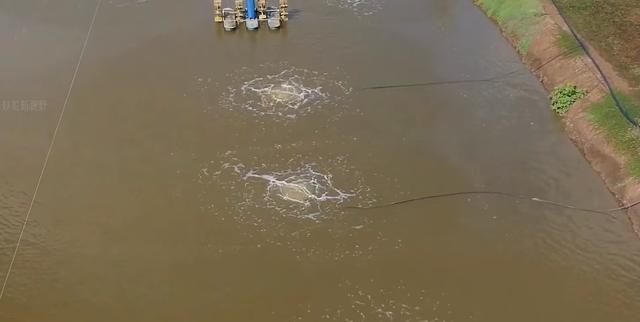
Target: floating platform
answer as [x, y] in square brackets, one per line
[229, 21]
[252, 24]
[251, 12]
[273, 19]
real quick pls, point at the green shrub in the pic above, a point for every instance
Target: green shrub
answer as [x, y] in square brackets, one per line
[564, 96]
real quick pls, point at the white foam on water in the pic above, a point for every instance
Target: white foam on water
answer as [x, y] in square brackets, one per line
[285, 98]
[302, 193]
[303, 186]
[360, 8]
[300, 208]
[285, 94]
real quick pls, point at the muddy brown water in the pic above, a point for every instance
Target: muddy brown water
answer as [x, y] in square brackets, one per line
[200, 175]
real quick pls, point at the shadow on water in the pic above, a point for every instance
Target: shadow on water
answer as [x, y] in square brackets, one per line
[294, 13]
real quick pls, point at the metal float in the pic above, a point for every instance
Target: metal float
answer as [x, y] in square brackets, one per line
[251, 12]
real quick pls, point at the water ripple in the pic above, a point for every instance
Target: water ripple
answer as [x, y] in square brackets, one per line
[359, 7]
[280, 92]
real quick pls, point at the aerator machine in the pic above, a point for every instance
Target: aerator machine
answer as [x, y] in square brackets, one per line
[250, 12]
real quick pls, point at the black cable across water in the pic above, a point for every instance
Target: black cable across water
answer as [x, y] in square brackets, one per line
[608, 212]
[494, 79]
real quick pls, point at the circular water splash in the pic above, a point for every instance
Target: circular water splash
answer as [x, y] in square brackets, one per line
[299, 208]
[294, 188]
[283, 97]
[285, 94]
[359, 7]
[304, 188]
[304, 192]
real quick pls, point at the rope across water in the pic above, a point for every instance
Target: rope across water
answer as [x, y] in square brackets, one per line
[608, 212]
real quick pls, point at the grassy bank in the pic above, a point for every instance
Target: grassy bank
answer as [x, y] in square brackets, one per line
[516, 17]
[568, 44]
[612, 27]
[625, 137]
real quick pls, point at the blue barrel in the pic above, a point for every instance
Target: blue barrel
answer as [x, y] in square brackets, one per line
[251, 9]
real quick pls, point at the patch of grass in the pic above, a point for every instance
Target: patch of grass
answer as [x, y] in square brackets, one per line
[611, 26]
[625, 137]
[516, 17]
[523, 44]
[563, 97]
[568, 44]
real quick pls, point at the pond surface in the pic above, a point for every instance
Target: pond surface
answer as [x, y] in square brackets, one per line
[200, 175]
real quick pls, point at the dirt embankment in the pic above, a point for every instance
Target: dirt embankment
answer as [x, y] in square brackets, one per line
[553, 68]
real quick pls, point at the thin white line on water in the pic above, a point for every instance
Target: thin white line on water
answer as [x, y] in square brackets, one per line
[46, 158]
